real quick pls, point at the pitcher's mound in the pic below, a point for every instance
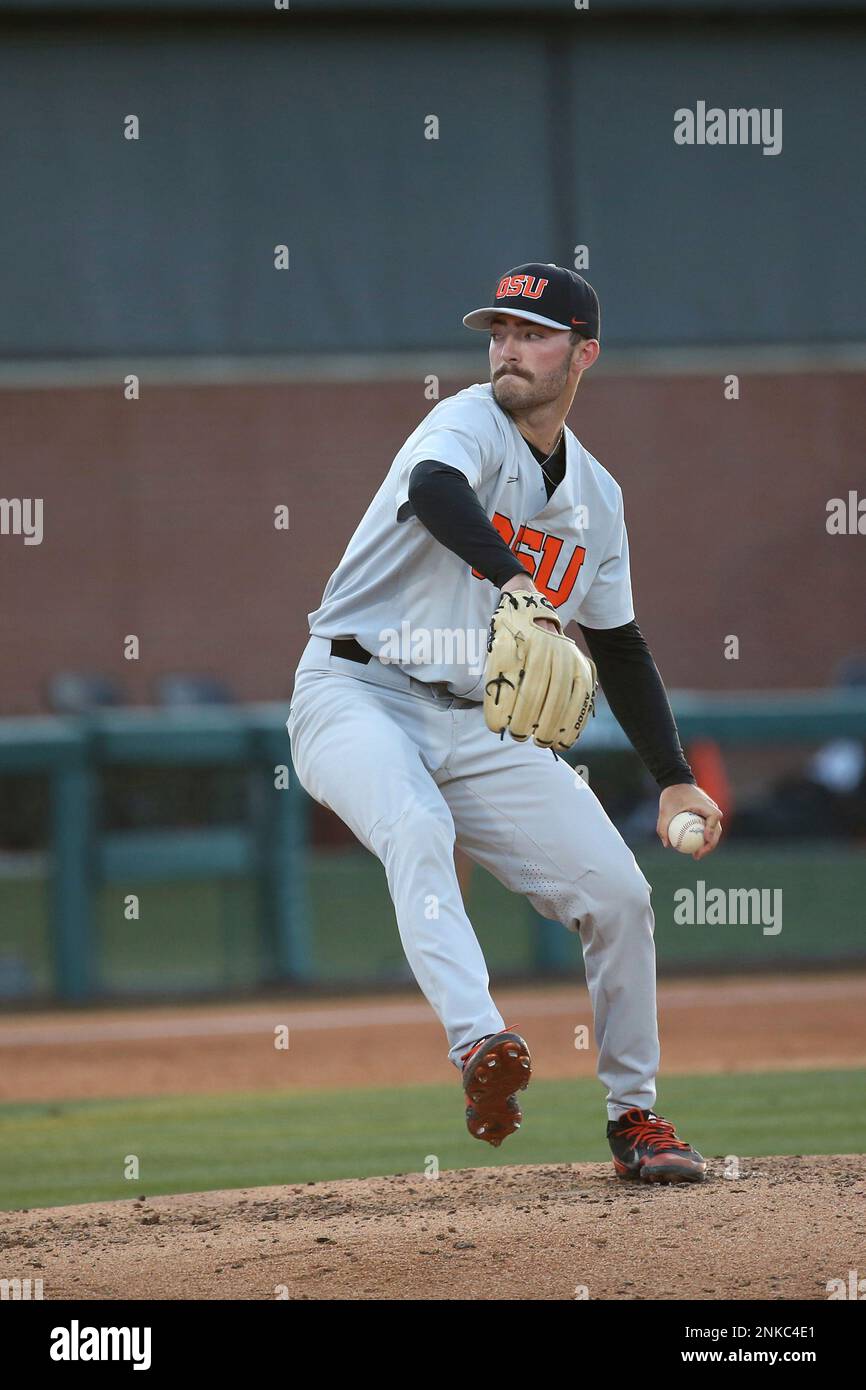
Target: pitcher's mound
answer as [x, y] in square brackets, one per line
[784, 1228]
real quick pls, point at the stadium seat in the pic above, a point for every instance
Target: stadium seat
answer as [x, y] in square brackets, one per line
[77, 692]
[182, 688]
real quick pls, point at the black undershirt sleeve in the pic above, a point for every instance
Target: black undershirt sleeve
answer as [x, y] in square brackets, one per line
[635, 692]
[445, 502]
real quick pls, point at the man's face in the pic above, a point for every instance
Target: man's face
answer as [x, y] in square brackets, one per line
[529, 364]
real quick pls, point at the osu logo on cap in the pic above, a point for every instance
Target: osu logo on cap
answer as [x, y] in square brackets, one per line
[527, 286]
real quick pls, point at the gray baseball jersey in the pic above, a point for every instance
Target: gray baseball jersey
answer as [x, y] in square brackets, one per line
[413, 770]
[415, 604]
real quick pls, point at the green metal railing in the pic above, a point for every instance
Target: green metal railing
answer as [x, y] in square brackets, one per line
[270, 845]
[270, 848]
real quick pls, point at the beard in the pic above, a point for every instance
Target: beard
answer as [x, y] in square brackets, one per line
[522, 393]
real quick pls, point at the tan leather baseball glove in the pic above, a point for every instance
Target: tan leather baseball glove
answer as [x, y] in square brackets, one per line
[537, 684]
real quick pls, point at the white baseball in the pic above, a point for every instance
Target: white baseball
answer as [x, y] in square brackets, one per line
[686, 832]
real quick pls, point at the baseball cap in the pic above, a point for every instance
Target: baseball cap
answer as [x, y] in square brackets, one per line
[548, 294]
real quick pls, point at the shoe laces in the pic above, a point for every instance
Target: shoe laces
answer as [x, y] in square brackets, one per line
[653, 1131]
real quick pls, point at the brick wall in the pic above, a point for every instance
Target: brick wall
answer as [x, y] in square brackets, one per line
[158, 522]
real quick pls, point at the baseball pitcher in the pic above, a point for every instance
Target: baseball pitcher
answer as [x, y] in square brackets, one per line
[438, 689]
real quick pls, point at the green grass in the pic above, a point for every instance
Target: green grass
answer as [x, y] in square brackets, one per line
[52, 1154]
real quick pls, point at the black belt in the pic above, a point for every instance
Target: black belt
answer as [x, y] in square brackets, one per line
[349, 649]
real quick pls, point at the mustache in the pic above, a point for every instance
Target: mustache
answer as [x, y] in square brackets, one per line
[510, 371]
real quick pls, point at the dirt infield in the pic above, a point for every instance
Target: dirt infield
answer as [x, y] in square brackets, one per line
[707, 1026]
[783, 1229]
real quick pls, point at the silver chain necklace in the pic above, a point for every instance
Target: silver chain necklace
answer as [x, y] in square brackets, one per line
[550, 456]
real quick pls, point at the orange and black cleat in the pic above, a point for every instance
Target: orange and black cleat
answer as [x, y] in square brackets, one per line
[645, 1146]
[494, 1069]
